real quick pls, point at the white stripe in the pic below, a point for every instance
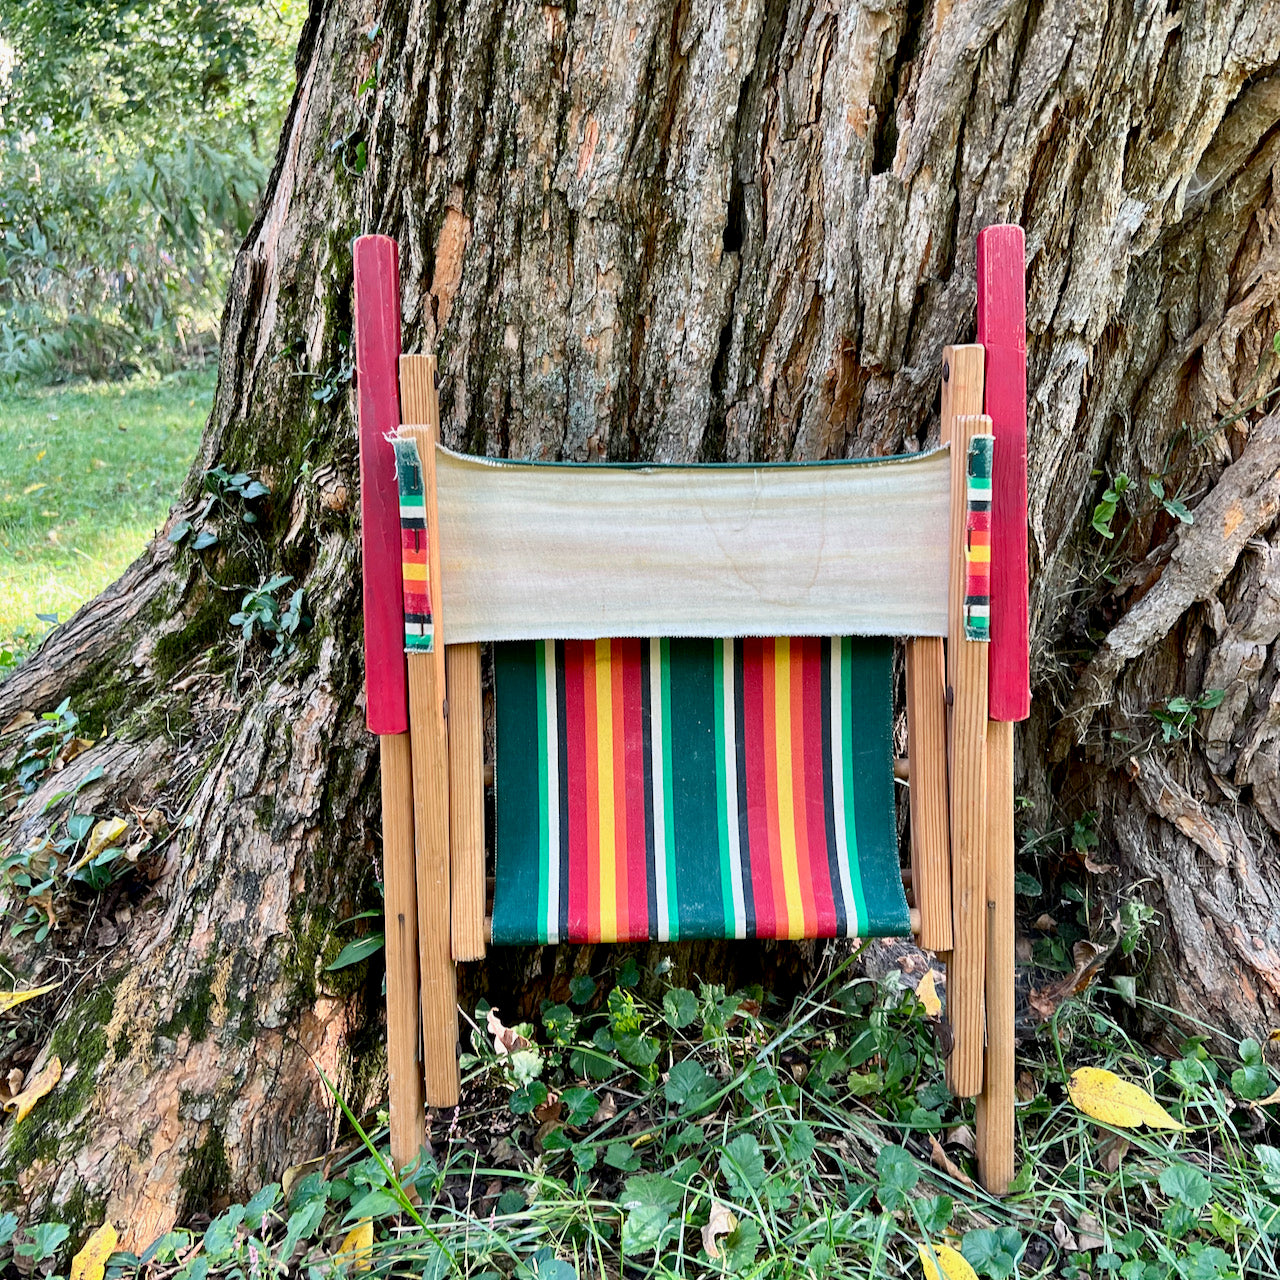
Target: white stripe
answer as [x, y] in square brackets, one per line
[731, 795]
[656, 728]
[837, 784]
[551, 749]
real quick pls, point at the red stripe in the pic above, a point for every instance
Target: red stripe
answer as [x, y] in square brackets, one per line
[757, 803]
[575, 733]
[617, 718]
[769, 749]
[819, 876]
[591, 753]
[629, 656]
[799, 791]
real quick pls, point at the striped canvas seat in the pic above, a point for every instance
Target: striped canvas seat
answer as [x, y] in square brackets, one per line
[665, 789]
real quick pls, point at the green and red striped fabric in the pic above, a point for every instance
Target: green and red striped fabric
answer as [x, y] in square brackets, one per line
[665, 789]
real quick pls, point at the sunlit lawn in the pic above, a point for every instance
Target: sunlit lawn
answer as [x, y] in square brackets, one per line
[87, 474]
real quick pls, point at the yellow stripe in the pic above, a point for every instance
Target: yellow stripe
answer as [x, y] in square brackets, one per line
[786, 799]
[604, 785]
[977, 554]
[415, 571]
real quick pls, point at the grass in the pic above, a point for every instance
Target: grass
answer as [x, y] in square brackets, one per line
[645, 1129]
[90, 472]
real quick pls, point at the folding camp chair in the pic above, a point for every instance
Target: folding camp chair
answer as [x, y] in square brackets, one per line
[661, 771]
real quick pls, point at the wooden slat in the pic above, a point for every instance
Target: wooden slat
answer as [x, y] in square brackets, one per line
[967, 735]
[466, 800]
[404, 1075]
[995, 1106]
[1002, 331]
[930, 822]
[431, 771]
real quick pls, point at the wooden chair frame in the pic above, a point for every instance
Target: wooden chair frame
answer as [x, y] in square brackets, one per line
[962, 697]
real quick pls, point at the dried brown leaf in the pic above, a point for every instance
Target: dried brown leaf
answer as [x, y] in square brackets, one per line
[946, 1164]
[721, 1223]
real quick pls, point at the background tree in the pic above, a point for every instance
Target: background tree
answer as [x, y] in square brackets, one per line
[689, 231]
[135, 142]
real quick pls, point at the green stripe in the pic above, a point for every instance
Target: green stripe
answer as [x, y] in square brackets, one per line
[515, 687]
[668, 799]
[692, 733]
[870, 664]
[544, 799]
[851, 806]
[722, 793]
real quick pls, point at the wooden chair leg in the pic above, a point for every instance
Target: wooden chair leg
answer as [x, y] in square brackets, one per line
[431, 768]
[995, 1106]
[967, 681]
[466, 800]
[927, 796]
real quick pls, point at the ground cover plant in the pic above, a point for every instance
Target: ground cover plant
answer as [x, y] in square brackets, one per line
[647, 1128]
[90, 472]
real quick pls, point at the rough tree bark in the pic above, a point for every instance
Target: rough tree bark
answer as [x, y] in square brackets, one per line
[678, 229]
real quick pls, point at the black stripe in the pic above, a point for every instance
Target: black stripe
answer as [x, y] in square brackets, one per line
[740, 749]
[562, 752]
[413, 523]
[650, 846]
[828, 795]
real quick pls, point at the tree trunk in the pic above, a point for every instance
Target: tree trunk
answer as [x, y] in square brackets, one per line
[670, 231]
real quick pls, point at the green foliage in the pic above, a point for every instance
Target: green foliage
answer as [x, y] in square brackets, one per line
[1178, 715]
[1104, 513]
[135, 141]
[263, 614]
[782, 1168]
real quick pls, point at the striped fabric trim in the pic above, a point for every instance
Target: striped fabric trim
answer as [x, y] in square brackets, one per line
[666, 789]
[419, 632]
[977, 551]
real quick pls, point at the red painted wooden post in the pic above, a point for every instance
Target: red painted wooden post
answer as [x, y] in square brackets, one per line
[377, 308]
[377, 280]
[1002, 331]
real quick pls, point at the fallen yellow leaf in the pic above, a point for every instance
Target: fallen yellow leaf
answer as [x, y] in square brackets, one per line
[23, 1103]
[105, 834]
[9, 998]
[34, 488]
[357, 1246]
[1104, 1096]
[91, 1262]
[927, 994]
[951, 1264]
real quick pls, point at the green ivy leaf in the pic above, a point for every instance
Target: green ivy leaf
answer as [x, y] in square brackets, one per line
[991, 1252]
[688, 1085]
[898, 1176]
[621, 1155]
[220, 1237]
[742, 1164]
[580, 1106]
[1253, 1080]
[581, 989]
[1187, 1185]
[527, 1097]
[679, 1007]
